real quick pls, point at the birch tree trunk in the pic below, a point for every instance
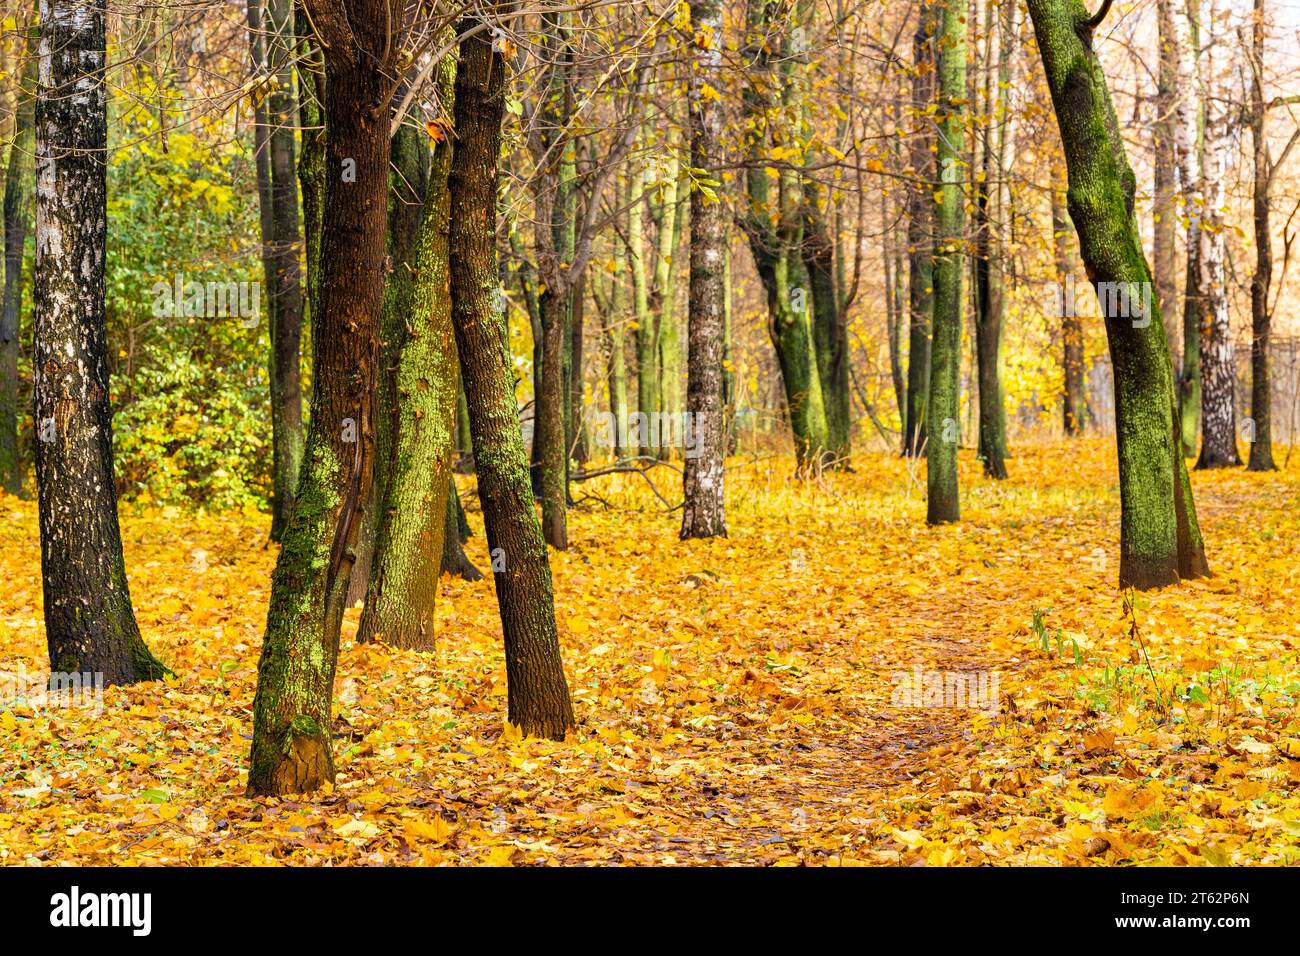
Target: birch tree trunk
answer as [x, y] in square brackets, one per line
[1218, 361]
[90, 626]
[704, 511]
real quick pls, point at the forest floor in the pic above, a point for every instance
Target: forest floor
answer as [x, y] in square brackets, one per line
[746, 700]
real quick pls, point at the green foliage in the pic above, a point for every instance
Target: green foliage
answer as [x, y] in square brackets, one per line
[190, 394]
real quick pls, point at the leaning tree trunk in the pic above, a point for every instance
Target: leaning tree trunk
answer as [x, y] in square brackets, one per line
[1218, 360]
[942, 430]
[454, 559]
[539, 701]
[920, 232]
[1261, 319]
[291, 712]
[286, 313]
[703, 511]
[1160, 541]
[90, 626]
[19, 182]
[412, 514]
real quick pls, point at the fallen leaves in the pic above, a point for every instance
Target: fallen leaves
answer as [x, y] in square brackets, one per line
[734, 696]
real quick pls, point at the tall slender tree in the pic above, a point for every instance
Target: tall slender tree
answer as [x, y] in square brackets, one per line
[704, 509]
[920, 227]
[90, 626]
[942, 429]
[20, 179]
[1218, 361]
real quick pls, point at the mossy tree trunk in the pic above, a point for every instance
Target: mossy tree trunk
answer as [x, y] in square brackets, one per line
[419, 385]
[538, 690]
[408, 180]
[942, 428]
[1160, 541]
[291, 712]
[90, 626]
[774, 110]
[829, 326]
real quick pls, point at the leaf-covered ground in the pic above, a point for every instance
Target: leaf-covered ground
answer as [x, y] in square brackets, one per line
[737, 699]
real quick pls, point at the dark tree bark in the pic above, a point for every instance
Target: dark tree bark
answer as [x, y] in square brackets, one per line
[704, 507]
[286, 313]
[20, 180]
[1261, 318]
[829, 327]
[920, 231]
[291, 712]
[944, 406]
[90, 626]
[1160, 541]
[311, 159]
[992, 201]
[538, 690]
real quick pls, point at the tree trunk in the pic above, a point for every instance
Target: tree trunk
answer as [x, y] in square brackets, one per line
[1191, 158]
[1261, 319]
[774, 223]
[829, 327]
[90, 626]
[704, 506]
[454, 559]
[943, 433]
[1218, 361]
[286, 314]
[920, 231]
[408, 180]
[1074, 404]
[991, 205]
[19, 187]
[647, 352]
[538, 691]
[1164, 212]
[291, 712]
[1160, 541]
[421, 413]
[311, 160]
